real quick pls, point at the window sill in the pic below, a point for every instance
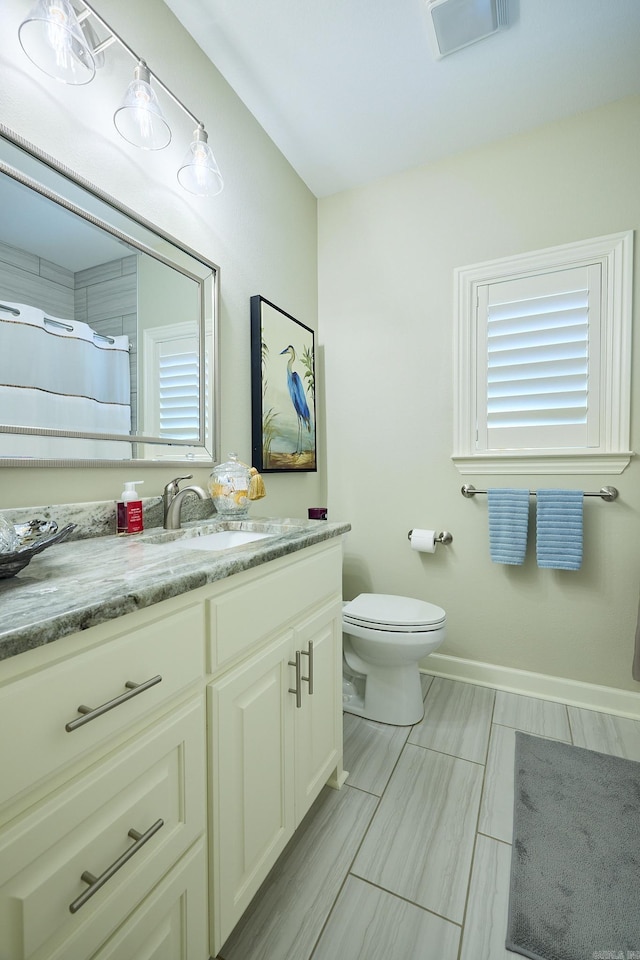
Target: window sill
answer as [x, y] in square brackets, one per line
[508, 464]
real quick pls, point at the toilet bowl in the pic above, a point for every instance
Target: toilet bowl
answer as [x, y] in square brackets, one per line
[384, 638]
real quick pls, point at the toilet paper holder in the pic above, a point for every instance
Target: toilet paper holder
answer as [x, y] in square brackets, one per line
[443, 537]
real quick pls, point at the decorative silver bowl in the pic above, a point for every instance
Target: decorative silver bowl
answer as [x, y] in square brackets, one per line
[30, 544]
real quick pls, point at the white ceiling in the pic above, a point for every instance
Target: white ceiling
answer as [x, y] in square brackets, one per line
[34, 223]
[349, 89]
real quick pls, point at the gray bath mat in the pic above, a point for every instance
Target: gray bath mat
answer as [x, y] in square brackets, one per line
[575, 867]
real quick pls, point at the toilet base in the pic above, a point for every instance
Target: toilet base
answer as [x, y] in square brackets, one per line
[390, 695]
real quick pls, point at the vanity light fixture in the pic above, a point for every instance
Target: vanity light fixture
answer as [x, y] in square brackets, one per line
[199, 173]
[60, 41]
[139, 118]
[52, 38]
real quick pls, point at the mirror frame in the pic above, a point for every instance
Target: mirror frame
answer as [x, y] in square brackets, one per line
[135, 230]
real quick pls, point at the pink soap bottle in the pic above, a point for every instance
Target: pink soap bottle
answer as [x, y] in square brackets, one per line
[129, 510]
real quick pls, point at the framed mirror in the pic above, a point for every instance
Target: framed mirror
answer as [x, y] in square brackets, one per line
[107, 326]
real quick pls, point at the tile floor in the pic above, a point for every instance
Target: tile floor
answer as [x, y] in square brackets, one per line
[411, 859]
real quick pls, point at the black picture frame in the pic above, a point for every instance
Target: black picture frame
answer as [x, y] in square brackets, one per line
[283, 407]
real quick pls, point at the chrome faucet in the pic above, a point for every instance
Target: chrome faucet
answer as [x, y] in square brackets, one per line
[172, 501]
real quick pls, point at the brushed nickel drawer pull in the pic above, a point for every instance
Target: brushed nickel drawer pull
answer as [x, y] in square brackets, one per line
[90, 713]
[309, 677]
[95, 883]
[298, 687]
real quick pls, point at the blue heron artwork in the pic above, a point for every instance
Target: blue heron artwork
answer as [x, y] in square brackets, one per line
[298, 399]
[283, 390]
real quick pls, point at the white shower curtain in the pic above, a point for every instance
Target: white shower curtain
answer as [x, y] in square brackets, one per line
[60, 374]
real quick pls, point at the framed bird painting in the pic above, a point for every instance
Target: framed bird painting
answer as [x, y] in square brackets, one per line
[283, 390]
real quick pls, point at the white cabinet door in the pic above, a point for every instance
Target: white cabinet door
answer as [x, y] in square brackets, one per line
[252, 785]
[318, 730]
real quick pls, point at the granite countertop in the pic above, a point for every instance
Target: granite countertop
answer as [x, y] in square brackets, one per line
[75, 585]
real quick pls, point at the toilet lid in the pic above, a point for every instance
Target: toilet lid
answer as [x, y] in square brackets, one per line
[388, 610]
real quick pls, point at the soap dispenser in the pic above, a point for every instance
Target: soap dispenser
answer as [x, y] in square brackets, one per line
[129, 510]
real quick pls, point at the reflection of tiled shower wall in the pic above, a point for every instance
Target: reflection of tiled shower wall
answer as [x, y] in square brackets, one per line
[25, 278]
[105, 297]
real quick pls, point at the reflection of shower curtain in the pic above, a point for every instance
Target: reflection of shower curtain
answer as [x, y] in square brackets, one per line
[60, 374]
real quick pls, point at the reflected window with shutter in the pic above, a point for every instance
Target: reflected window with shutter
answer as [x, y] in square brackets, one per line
[178, 376]
[171, 395]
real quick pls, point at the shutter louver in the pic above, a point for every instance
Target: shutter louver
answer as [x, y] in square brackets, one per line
[538, 361]
[174, 395]
[179, 403]
[541, 334]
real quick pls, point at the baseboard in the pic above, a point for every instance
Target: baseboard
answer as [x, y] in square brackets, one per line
[591, 696]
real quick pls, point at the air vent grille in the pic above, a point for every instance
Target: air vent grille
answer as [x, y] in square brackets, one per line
[455, 24]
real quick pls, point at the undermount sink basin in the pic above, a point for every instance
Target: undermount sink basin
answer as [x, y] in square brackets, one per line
[223, 535]
[222, 540]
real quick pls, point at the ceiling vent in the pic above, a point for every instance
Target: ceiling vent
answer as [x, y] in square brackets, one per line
[454, 24]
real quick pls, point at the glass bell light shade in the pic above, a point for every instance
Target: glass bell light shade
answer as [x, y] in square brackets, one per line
[199, 172]
[139, 118]
[53, 40]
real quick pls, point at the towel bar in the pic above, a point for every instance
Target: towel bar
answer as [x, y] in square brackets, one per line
[606, 493]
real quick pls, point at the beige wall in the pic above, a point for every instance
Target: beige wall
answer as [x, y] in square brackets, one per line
[386, 256]
[261, 230]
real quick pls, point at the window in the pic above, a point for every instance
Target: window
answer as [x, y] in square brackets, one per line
[170, 401]
[178, 378]
[543, 360]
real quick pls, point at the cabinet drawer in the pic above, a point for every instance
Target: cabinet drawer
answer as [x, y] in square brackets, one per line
[35, 709]
[246, 615]
[171, 924]
[156, 779]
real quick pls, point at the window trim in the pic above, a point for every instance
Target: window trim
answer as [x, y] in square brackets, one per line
[614, 253]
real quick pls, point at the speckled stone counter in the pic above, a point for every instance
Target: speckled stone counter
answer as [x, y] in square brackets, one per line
[75, 585]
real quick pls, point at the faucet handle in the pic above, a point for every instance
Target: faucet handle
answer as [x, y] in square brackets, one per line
[173, 488]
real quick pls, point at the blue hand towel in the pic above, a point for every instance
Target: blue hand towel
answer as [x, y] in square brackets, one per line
[508, 523]
[559, 529]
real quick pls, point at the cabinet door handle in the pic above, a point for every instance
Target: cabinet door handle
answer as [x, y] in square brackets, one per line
[90, 713]
[95, 883]
[298, 687]
[309, 677]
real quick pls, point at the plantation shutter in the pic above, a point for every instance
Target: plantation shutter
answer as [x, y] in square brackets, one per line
[178, 374]
[538, 361]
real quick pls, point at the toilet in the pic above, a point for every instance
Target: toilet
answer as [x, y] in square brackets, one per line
[384, 638]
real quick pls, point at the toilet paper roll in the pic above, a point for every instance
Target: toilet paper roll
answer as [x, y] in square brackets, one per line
[423, 540]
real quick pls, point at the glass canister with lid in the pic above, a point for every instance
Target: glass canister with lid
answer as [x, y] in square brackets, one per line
[229, 487]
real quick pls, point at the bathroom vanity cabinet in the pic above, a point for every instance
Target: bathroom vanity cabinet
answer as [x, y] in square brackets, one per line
[146, 828]
[276, 699]
[71, 797]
